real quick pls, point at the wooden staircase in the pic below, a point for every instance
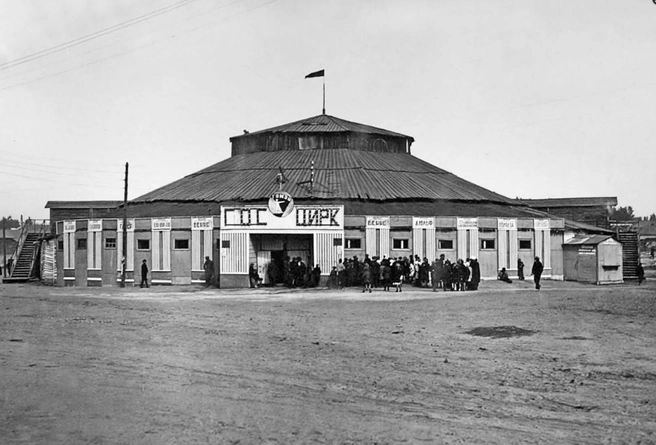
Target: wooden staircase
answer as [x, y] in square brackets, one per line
[630, 253]
[24, 268]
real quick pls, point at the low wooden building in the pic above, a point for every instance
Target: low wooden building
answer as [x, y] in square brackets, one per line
[594, 210]
[593, 259]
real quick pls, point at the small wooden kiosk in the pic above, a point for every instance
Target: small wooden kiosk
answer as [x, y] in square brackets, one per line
[593, 259]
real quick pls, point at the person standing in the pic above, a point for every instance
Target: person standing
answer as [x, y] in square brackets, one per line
[253, 276]
[520, 269]
[536, 271]
[144, 274]
[341, 274]
[208, 267]
[640, 271]
[435, 273]
[476, 273]
[366, 278]
[316, 276]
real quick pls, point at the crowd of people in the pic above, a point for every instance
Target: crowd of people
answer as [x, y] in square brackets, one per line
[386, 273]
[295, 273]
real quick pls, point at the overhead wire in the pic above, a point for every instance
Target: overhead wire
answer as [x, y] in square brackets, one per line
[139, 47]
[54, 180]
[98, 48]
[50, 168]
[93, 35]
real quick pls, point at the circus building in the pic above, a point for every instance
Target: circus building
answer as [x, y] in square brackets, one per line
[320, 189]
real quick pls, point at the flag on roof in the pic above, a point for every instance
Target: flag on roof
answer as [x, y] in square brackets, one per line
[319, 73]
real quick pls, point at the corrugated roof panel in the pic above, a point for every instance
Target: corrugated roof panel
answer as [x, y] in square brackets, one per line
[588, 240]
[571, 202]
[354, 175]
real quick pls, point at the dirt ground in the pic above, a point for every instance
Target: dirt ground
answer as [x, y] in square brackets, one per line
[570, 364]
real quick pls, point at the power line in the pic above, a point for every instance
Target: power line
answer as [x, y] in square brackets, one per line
[96, 49]
[93, 35]
[54, 180]
[51, 168]
[134, 49]
[55, 170]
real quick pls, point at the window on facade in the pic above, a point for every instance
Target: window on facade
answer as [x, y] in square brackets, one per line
[60, 244]
[353, 243]
[82, 243]
[181, 244]
[143, 244]
[445, 244]
[524, 243]
[110, 243]
[487, 244]
[401, 243]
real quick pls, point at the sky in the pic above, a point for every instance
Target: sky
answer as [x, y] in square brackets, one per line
[530, 99]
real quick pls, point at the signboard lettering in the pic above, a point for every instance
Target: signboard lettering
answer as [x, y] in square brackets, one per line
[423, 223]
[246, 216]
[69, 226]
[507, 224]
[161, 224]
[130, 224]
[202, 223]
[95, 225]
[467, 223]
[260, 218]
[374, 222]
[586, 250]
[541, 224]
[317, 217]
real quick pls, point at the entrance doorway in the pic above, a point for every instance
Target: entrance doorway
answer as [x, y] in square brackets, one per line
[277, 250]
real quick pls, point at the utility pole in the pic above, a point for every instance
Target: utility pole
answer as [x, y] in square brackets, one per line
[4, 248]
[125, 228]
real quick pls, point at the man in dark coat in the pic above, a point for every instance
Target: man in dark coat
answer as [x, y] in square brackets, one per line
[640, 271]
[144, 274]
[316, 276]
[435, 271]
[253, 275]
[208, 267]
[536, 271]
[476, 273]
[520, 269]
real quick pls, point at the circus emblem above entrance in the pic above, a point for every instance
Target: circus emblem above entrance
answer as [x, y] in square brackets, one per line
[281, 204]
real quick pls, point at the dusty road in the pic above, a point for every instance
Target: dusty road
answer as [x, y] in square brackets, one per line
[574, 364]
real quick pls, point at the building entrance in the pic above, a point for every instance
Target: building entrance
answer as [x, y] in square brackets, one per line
[274, 252]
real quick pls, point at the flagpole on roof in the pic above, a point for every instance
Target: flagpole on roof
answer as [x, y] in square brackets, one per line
[320, 73]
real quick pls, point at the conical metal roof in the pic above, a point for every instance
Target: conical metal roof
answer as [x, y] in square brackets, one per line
[338, 174]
